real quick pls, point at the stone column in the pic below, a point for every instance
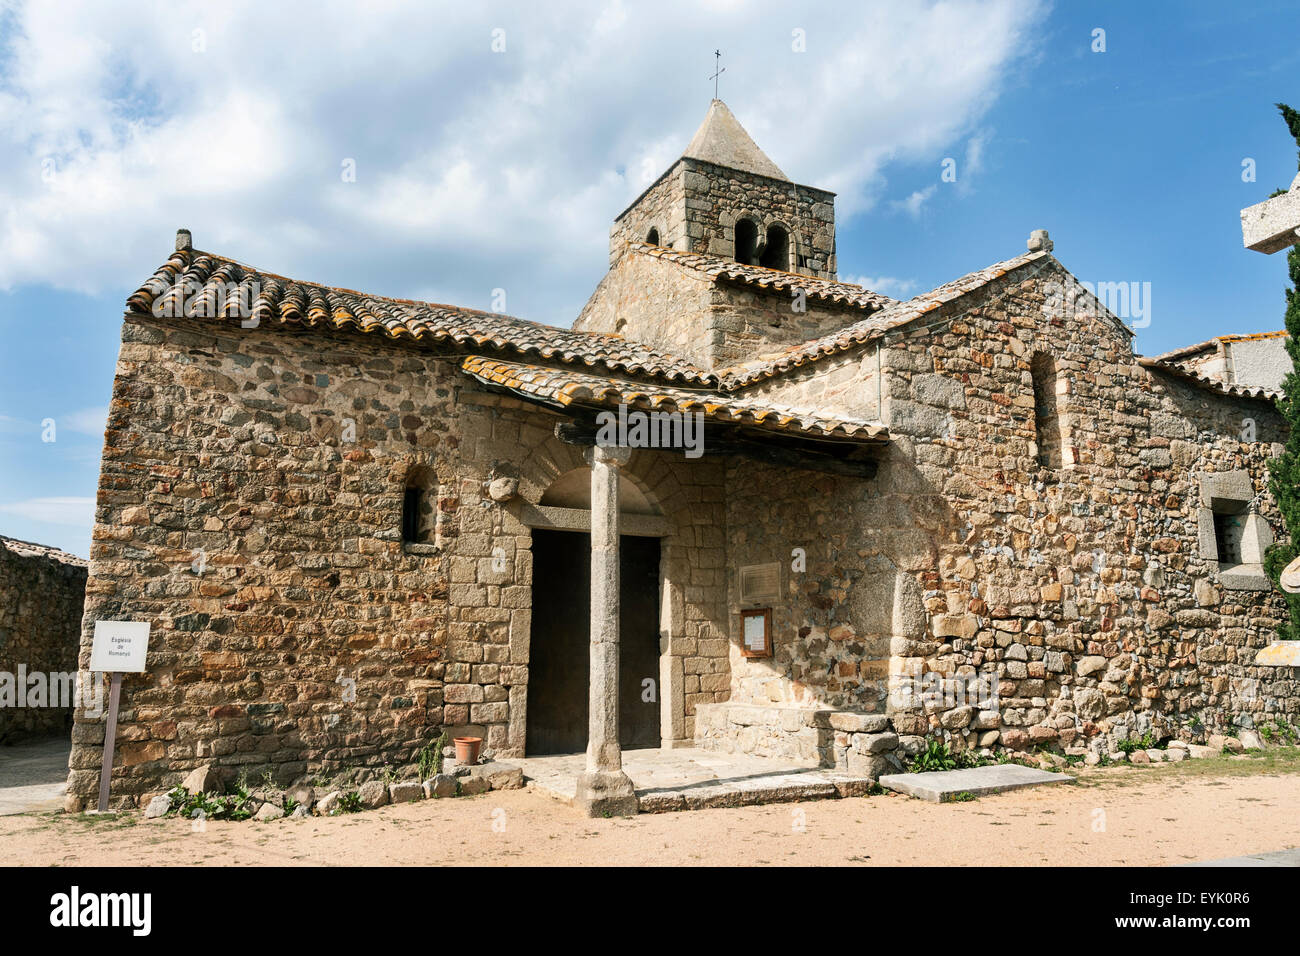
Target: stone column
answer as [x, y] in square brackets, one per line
[604, 790]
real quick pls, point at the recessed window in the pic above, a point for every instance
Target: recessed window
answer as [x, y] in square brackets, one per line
[1233, 535]
[419, 520]
[746, 241]
[411, 516]
[776, 252]
[652, 237]
[1228, 530]
[1047, 424]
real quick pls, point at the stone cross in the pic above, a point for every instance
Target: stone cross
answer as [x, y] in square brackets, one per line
[604, 789]
[1273, 225]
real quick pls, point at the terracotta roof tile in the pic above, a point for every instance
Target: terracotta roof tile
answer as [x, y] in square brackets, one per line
[29, 549]
[892, 316]
[721, 268]
[567, 388]
[202, 285]
[1207, 383]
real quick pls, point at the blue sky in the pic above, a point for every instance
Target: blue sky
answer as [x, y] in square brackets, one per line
[481, 168]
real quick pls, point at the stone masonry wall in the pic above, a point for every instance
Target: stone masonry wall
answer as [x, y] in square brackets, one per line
[250, 509]
[41, 595]
[713, 324]
[716, 197]
[662, 207]
[1081, 589]
[658, 303]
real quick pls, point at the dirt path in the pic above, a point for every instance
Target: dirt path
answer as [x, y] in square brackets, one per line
[1129, 815]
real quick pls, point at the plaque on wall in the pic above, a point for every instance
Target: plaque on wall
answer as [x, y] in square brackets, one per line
[756, 632]
[760, 584]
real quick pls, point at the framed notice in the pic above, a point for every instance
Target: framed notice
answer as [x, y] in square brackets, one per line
[756, 632]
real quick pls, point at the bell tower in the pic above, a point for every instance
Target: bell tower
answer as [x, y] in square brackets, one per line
[725, 197]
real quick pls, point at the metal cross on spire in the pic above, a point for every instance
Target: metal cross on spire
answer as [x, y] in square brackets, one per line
[720, 69]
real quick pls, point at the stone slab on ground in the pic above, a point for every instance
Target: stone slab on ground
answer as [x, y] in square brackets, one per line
[34, 775]
[941, 786]
[1275, 858]
[689, 778]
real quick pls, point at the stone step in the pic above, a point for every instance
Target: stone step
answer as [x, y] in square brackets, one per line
[744, 793]
[943, 786]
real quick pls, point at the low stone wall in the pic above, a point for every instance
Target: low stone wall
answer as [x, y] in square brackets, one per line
[854, 742]
[41, 595]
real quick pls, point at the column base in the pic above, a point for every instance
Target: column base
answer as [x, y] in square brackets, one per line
[605, 793]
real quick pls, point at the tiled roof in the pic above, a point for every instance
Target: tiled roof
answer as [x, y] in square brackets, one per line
[28, 549]
[1208, 383]
[892, 316]
[1213, 343]
[567, 388]
[721, 268]
[193, 284]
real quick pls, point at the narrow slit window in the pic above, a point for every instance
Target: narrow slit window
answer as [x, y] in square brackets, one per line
[1047, 424]
[411, 515]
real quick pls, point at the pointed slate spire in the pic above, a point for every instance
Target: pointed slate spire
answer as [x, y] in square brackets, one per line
[723, 141]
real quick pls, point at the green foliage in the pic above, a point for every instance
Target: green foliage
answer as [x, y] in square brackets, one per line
[1284, 470]
[1281, 730]
[937, 756]
[431, 756]
[1292, 119]
[964, 797]
[350, 802]
[212, 806]
[1146, 742]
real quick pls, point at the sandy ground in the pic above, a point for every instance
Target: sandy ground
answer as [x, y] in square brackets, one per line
[1169, 814]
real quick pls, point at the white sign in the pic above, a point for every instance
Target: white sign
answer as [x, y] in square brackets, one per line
[120, 646]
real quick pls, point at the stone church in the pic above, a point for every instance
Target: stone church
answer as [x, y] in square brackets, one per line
[355, 521]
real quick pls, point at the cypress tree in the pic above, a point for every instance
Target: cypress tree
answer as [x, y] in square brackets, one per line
[1284, 470]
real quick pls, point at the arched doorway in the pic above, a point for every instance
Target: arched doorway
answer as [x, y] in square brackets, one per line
[559, 643]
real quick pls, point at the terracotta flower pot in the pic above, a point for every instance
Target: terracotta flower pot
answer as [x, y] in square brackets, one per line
[467, 749]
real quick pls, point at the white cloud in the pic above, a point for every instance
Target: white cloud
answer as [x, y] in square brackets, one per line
[886, 285]
[913, 203]
[87, 421]
[475, 169]
[62, 511]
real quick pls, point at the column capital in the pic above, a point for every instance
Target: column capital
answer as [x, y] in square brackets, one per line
[613, 455]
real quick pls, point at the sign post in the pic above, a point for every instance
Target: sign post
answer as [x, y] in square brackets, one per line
[119, 647]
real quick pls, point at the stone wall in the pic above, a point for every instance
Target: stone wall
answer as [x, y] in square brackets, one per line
[716, 197]
[1082, 589]
[695, 206]
[41, 595]
[658, 303]
[662, 206]
[861, 744]
[712, 324]
[250, 507]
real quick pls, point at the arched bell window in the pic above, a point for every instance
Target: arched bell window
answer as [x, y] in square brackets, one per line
[746, 241]
[776, 251]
